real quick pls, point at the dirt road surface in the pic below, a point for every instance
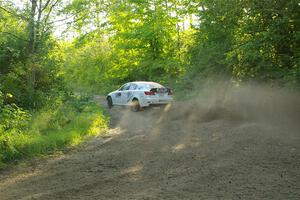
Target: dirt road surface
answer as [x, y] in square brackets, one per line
[171, 153]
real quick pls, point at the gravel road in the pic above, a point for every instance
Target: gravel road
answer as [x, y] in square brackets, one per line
[177, 152]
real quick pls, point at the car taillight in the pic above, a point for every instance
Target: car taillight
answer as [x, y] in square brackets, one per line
[149, 93]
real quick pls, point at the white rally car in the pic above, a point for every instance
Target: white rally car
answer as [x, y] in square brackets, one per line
[140, 94]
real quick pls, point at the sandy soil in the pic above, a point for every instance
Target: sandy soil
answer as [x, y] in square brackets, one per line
[179, 152]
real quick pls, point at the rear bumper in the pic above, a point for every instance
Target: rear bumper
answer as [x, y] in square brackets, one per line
[150, 101]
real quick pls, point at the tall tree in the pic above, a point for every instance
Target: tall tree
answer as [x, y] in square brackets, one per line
[29, 67]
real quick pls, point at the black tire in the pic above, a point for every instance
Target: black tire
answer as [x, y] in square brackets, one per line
[135, 105]
[109, 102]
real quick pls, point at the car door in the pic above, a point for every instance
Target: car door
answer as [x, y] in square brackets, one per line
[118, 95]
[128, 93]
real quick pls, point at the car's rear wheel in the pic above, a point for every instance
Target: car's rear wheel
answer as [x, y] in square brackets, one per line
[135, 105]
[109, 102]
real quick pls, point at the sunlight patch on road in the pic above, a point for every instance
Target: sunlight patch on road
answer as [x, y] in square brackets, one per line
[134, 172]
[165, 111]
[178, 147]
[116, 131]
[134, 169]
[133, 138]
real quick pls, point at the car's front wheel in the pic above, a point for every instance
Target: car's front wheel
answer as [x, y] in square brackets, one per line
[135, 105]
[109, 102]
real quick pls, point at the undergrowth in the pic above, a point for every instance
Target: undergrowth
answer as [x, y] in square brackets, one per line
[25, 134]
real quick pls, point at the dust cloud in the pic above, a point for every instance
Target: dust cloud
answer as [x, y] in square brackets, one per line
[262, 104]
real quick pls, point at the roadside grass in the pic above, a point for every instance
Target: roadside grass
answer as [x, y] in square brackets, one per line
[51, 131]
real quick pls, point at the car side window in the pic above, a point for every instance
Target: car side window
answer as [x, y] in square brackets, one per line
[142, 87]
[125, 87]
[132, 87]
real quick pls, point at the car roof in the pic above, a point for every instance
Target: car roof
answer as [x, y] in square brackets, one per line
[144, 82]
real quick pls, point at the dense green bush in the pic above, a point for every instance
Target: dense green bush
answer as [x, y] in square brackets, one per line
[54, 127]
[12, 117]
[248, 41]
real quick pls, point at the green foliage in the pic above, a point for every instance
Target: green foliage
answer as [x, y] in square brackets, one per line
[32, 83]
[29, 63]
[265, 51]
[12, 117]
[12, 39]
[146, 40]
[253, 40]
[134, 40]
[214, 38]
[33, 77]
[87, 62]
[52, 129]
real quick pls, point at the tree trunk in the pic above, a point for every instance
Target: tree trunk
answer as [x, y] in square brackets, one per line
[31, 27]
[178, 33]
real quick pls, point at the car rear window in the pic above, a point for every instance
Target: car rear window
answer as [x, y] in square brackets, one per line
[148, 86]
